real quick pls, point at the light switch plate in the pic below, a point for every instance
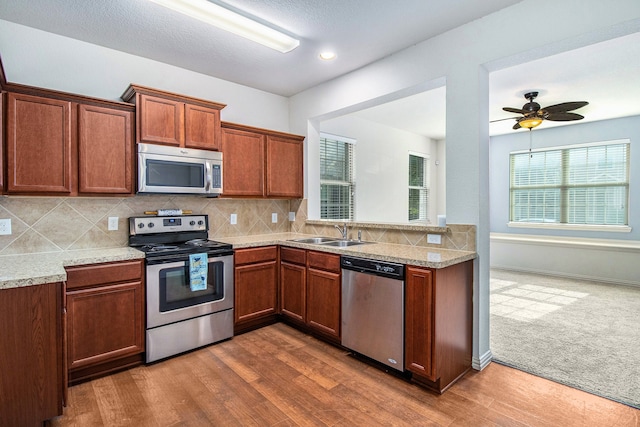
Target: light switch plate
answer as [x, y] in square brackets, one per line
[274, 217]
[292, 216]
[5, 226]
[436, 239]
[233, 219]
[113, 223]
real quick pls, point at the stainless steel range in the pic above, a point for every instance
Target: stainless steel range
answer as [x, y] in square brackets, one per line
[189, 283]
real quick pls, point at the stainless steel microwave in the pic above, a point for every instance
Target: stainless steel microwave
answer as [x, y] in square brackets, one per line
[177, 170]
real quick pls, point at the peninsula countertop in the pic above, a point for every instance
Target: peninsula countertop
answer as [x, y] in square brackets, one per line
[39, 268]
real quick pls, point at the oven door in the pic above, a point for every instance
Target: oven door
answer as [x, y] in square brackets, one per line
[169, 295]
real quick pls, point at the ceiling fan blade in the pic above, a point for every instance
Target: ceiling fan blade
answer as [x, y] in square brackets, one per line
[515, 110]
[508, 118]
[516, 126]
[565, 106]
[563, 117]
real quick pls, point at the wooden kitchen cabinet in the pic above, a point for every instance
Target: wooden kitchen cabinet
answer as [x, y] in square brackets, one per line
[105, 150]
[324, 293]
[243, 163]
[39, 144]
[310, 291]
[438, 324]
[261, 163]
[105, 318]
[31, 366]
[256, 287]
[171, 119]
[65, 144]
[293, 284]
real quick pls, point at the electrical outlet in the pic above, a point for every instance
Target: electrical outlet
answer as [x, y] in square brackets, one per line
[113, 223]
[274, 217]
[233, 219]
[5, 226]
[292, 216]
[436, 239]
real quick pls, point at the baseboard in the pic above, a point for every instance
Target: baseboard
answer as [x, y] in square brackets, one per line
[482, 362]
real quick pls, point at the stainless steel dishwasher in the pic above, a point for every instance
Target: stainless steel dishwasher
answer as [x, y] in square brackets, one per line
[373, 309]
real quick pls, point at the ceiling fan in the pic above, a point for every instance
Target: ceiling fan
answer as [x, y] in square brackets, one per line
[533, 115]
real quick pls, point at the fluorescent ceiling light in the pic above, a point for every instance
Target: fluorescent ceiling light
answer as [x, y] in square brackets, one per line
[225, 19]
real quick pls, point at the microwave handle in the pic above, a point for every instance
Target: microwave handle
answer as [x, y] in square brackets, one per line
[209, 177]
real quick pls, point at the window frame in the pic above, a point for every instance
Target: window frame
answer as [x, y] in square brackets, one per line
[426, 188]
[350, 174]
[565, 186]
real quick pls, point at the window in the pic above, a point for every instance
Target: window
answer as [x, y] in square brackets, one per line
[586, 184]
[418, 187]
[337, 184]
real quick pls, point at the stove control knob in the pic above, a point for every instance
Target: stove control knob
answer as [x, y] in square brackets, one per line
[140, 225]
[151, 225]
[201, 222]
[192, 223]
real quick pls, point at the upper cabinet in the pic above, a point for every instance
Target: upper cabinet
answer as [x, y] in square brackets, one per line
[64, 144]
[261, 163]
[170, 119]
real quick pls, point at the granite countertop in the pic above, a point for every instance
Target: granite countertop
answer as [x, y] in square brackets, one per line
[404, 254]
[36, 269]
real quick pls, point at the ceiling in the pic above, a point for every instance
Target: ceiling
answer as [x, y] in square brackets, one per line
[361, 32]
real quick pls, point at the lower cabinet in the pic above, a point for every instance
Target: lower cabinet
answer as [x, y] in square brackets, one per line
[256, 287]
[31, 366]
[105, 318]
[310, 284]
[438, 324]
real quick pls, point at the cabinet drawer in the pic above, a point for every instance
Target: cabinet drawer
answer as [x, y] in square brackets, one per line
[99, 274]
[324, 261]
[292, 255]
[249, 256]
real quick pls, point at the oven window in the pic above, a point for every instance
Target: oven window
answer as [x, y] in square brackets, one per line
[162, 173]
[175, 291]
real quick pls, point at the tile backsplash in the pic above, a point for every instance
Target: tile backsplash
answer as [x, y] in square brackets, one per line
[54, 224]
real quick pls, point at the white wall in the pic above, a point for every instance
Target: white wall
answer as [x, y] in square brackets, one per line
[42, 59]
[464, 57]
[382, 167]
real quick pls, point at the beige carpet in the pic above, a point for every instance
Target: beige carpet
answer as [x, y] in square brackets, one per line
[580, 333]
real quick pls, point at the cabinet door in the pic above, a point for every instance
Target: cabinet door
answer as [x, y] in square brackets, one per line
[323, 301]
[105, 154]
[104, 323]
[202, 127]
[419, 322]
[256, 292]
[39, 145]
[293, 279]
[160, 121]
[243, 163]
[284, 167]
[31, 375]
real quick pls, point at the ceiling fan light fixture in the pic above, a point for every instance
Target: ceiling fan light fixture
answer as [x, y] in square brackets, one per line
[233, 22]
[530, 122]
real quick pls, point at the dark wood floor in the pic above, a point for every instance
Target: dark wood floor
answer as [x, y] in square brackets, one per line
[277, 376]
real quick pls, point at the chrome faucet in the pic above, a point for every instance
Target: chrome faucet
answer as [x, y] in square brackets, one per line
[343, 230]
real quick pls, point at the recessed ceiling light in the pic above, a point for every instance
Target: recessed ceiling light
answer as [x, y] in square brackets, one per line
[327, 56]
[233, 22]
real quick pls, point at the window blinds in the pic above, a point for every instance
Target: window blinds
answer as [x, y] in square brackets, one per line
[337, 187]
[587, 184]
[418, 188]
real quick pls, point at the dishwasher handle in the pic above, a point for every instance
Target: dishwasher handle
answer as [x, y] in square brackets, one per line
[372, 266]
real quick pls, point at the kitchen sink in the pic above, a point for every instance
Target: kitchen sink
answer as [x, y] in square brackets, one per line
[315, 240]
[345, 243]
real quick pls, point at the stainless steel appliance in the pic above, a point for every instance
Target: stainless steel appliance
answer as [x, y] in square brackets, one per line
[177, 170]
[373, 309]
[181, 317]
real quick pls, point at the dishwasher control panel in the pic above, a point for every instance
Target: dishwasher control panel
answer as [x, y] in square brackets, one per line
[372, 266]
